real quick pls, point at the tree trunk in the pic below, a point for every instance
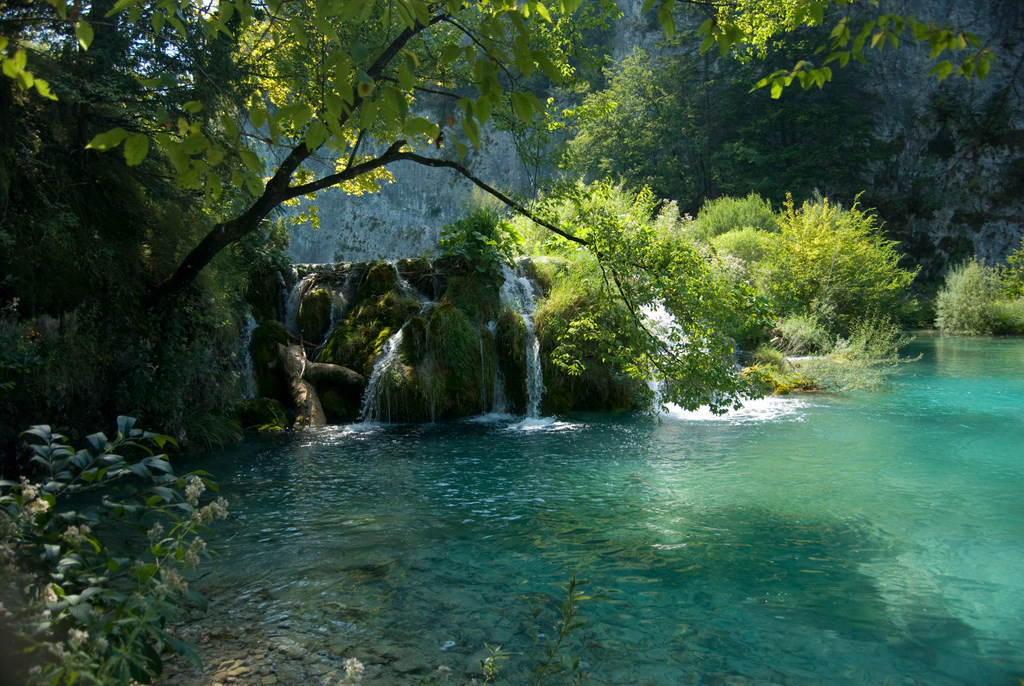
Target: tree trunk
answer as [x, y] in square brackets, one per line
[293, 363]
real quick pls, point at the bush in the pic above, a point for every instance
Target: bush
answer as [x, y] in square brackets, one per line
[748, 244]
[486, 242]
[802, 334]
[964, 304]
[861, 361]
[1007, 317]
[93, 557]
[728, 214]
[836, 262]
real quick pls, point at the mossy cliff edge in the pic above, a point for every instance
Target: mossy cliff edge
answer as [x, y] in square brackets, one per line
[456, 338]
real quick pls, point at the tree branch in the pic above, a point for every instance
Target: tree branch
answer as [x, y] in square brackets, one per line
[521, 209]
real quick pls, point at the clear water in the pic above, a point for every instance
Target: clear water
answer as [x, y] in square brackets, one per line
[855, 539]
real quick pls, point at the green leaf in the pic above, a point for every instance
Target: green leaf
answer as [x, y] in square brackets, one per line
[942, 69]
[107, 140]
[44, 89]
[193, 106]
[136, 147]
[251, 160]
[316, 135]
[367, 114]
[418, 126]
[472, 130]
[85, 34]
[522, 106]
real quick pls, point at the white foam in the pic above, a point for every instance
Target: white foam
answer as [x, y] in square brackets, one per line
[759, 410]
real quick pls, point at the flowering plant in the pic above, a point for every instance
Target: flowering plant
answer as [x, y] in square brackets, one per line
[93, 556]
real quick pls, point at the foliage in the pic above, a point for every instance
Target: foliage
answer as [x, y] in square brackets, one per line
[973, 300]
[836, 263]
[726, 214]
[484, 240]
[861, 361]
[748, 244]
[696, 132]
[748, 27]
[1012, 276]
[94, 555]
[803, 334]
[648, 264]
[553, 662]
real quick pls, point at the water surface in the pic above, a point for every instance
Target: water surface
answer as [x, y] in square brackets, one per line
[843, 539]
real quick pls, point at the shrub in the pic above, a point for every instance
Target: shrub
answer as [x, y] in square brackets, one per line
[964, 303]
[861, 361]
[1007, 317]
[93, 556]
[484, 240]
[802, 334]
[836, 261]
[722, 215]
[748, 244]
[1013, 274]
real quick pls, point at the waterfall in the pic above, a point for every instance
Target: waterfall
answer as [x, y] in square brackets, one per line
[245, 356]
[662, 324]
[378, 386]
[294, 299]
[499, 405]
[517, 292]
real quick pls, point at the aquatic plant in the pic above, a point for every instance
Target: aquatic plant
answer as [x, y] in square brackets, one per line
[557, 660]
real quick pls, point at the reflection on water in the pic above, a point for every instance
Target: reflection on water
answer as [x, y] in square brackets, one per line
[866, 538]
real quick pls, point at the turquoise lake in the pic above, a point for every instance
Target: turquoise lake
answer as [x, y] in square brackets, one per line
[863, 538]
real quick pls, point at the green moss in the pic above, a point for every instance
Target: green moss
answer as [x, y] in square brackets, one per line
[453, 340]
[414, 341]
[262, 413]
[475, 294]
[374, 317]
[511, 345]
[424, 277]
[381, 278]
[594, 385]
[262, 349]
[315, 314]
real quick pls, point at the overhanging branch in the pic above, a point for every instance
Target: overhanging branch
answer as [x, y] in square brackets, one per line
[518, 207]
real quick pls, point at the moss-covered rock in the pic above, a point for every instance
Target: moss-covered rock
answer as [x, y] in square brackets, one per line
[414, 341]
[598, 385]
[475, 294]
[375, 316]
[262, 414]
[455, 351]
[262, 350]
[314, 317]
[423, 276]
[510, 341]
[381, 278]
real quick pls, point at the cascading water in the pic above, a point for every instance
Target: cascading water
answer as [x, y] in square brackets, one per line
[376, 399]
[517, 292]
[245, 356]
[499, 405]
[294, 299]
[662, 324]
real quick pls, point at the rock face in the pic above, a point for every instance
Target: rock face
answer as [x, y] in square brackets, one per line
[950, 183]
